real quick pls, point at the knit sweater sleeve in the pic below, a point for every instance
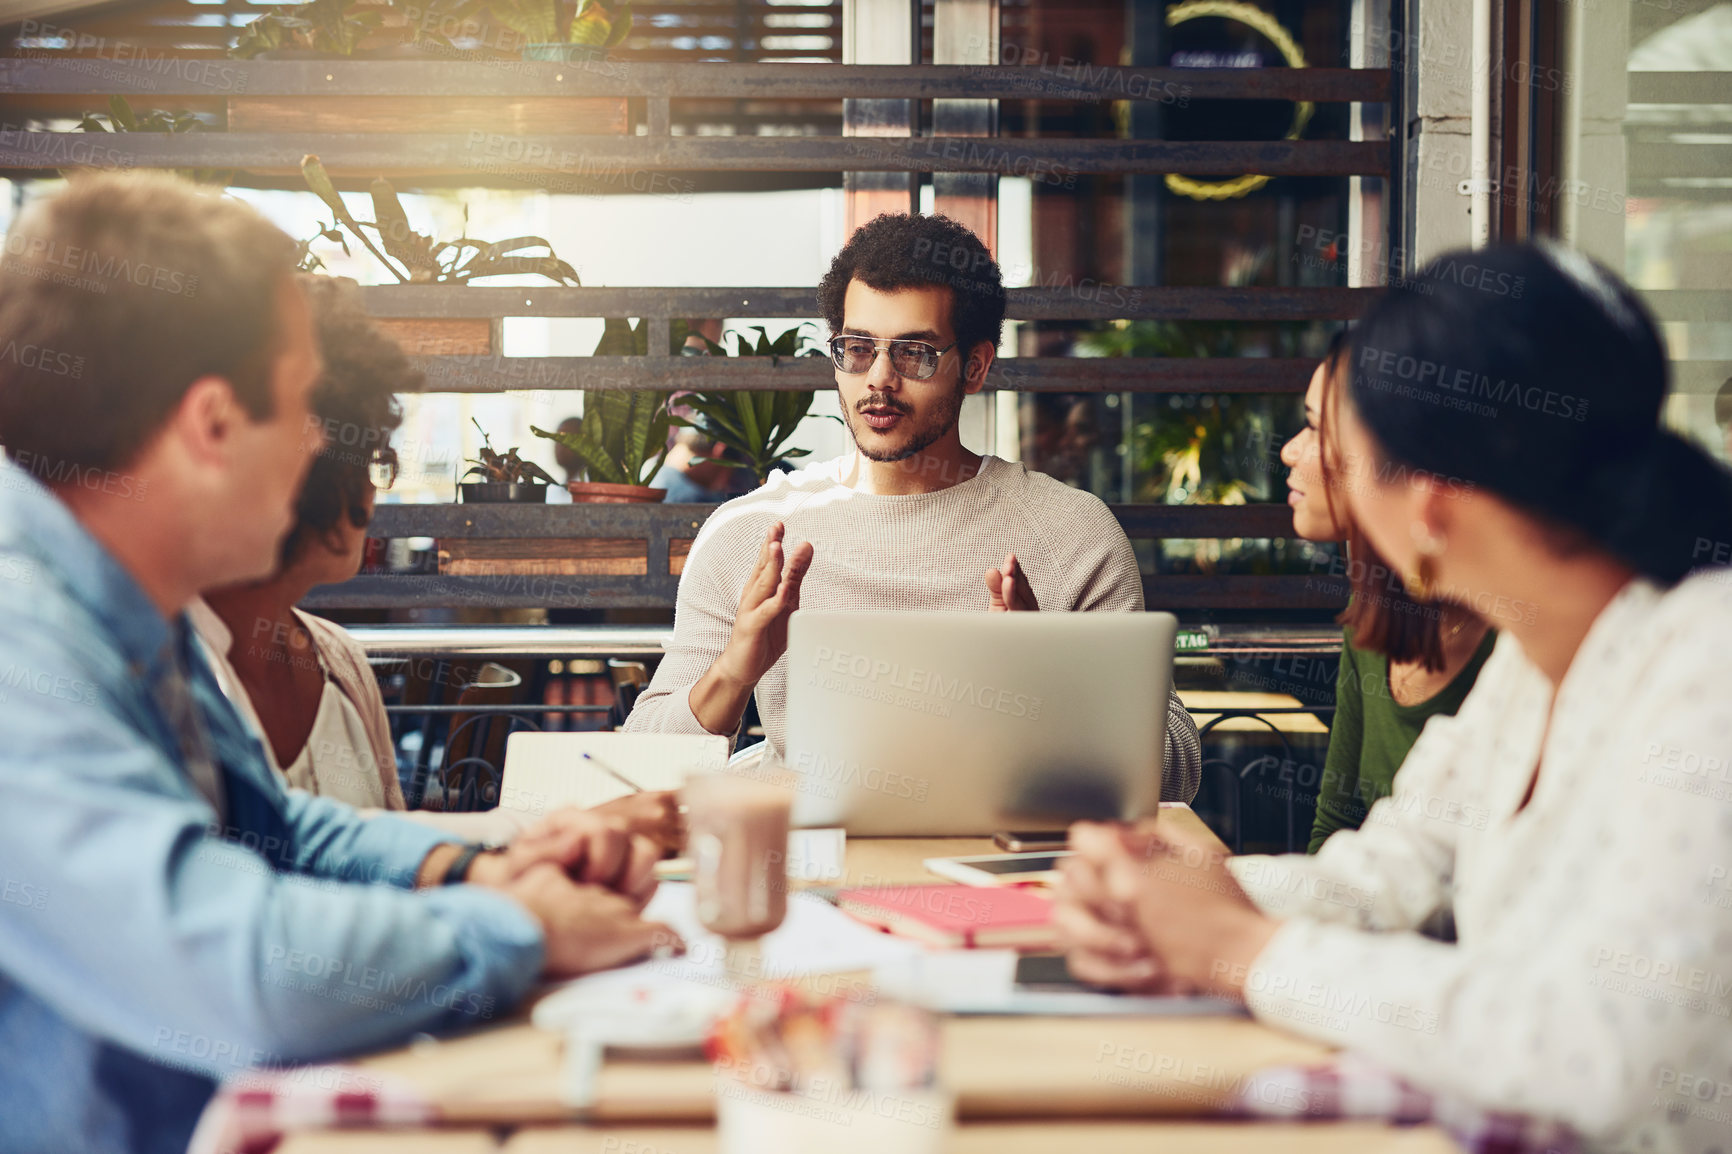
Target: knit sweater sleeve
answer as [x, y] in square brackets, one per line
[703, 622]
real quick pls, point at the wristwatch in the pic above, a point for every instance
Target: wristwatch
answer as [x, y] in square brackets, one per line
[458, 873]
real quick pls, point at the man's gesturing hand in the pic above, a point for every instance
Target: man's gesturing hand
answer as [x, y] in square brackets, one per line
[760, 635]
[585, 927]
[772, 594]
[1008, 586]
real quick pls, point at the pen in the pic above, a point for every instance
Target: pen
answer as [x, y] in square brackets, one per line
[612, 772]
[622, 778]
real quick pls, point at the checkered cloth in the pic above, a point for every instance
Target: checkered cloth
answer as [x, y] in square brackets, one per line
[252, 1113]
[1351, 1087]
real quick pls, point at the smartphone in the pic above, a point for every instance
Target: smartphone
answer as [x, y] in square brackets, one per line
[1045, 972]
[998, 869]
[1038, 841]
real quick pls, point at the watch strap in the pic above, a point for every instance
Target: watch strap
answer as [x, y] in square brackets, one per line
[458, 872]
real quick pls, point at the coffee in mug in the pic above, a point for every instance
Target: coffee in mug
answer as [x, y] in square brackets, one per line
[737, 839]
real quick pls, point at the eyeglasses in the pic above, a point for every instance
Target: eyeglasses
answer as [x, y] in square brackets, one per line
[382, 468]
[915, 360]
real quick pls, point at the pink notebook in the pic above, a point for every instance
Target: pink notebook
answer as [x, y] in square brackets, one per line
[963, 917]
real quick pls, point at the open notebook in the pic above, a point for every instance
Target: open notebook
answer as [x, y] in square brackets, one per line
[544, 771]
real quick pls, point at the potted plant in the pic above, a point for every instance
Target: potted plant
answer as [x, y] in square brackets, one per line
[506, 477]
[624, 436]
[554, 30]
[416, 258]
[320, 29]
[416, 29]
[755, 424]
[122, 118]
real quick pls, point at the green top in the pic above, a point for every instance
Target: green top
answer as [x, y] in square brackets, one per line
[1372, 734]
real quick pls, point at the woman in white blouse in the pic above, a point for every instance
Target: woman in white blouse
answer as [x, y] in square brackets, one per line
[1576, 814]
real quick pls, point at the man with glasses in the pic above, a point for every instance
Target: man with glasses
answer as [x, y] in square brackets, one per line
[909, 518]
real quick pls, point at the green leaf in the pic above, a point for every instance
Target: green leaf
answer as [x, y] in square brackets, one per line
[622, 20]
[597, 466]
[121, 112]
[748, 412]
[537, 21]
[765, 405]
[313, 171]
[536, 473]
[400, 240]
[617, 339]
[719, 415]
[552, 268]
[654, 445]
[645, 408]
[262, 35]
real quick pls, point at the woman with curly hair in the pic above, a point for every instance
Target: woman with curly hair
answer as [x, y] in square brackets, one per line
[302, 681]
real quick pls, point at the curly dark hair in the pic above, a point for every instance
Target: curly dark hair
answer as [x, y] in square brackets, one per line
[355, 400]
[902, 250]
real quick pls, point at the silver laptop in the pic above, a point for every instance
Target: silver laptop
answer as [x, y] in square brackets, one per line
[965, 723]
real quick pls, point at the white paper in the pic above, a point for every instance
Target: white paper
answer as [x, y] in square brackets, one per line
[816, 855]
[544, 771]
[815, 938]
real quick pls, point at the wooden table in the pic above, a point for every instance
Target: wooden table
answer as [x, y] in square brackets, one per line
[1093, 1136]
[1117, 1083]
[1204, 705]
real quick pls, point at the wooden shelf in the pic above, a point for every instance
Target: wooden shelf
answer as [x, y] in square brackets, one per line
[495, 374]
[625, 556]
[1079, 300]
[683, 81]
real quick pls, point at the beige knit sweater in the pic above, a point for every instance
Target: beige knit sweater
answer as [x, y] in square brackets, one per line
[919, 551]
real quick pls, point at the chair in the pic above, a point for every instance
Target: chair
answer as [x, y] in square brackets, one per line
[474, 742]
[630, 678]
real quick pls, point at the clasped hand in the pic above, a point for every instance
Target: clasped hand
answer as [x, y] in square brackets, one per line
[1155, 911]
[585, 877]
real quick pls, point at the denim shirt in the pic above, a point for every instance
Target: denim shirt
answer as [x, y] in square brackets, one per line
[150, 946]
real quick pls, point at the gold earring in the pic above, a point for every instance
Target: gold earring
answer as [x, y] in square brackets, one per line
[1423, 580]
[1419, 583]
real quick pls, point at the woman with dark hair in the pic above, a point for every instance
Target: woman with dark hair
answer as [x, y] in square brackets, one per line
[306, 683]
[1403, 662]
[1576, 815]
[302, 681]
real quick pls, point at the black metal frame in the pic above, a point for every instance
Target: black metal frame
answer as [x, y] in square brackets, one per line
[1235, 778]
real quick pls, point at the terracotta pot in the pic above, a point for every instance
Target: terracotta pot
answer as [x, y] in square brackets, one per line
[598, 493]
